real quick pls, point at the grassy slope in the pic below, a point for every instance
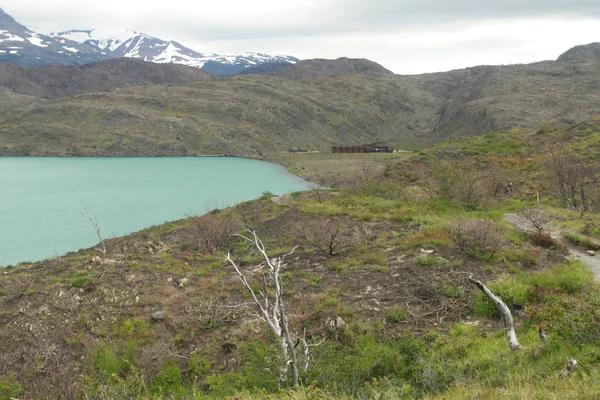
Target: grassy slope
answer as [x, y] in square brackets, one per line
[415, 326]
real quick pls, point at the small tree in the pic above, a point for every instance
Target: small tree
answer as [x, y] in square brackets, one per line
[536, 217]
[575, 179]
[271, 307]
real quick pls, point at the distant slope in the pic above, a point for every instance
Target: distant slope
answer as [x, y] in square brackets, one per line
[491, 99]
[54, 82]
[242, 115]
[308, 69]
[304, 107]
[265, 69]
[584, 52]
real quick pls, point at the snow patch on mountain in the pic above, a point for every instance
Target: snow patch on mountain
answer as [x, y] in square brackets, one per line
[9, 37]
[128, 43]
[36, 40]
[81, 46]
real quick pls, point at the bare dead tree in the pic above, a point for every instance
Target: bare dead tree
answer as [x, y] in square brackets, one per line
[328, 234]
[459, 181]
[251, 217]
[574, 177]
[504, 311]
[94, 221]
[536, 217]
[368, 170]
[271, 307]
[211, 232]
[306, 349]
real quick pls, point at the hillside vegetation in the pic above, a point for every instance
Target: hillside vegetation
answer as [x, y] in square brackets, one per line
[314, 104]
[163, 315]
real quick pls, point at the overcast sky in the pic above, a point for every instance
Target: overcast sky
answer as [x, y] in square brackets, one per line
[405, 36]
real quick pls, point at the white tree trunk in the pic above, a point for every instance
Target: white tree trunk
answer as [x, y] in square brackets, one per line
[503, 309]
[272, 311]
[571, 363]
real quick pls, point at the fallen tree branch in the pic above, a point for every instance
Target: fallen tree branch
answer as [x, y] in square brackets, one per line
[503, 309]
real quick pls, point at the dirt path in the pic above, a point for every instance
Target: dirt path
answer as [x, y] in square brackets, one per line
[592, 262]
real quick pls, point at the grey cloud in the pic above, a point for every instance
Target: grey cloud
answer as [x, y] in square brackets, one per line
[376, 16]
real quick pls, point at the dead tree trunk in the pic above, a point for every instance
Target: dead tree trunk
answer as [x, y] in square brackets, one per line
[503, 309]
[571, 363]
[271, 309]
[94, 221]
[306, 349]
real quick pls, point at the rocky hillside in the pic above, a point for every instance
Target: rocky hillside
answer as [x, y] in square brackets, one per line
[314, 104]
[308, 69]
[584, 52]
[54, 82]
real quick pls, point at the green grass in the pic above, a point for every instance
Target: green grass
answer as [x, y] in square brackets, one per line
[582, 241]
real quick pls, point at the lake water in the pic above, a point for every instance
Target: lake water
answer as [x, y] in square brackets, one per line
[40, 218]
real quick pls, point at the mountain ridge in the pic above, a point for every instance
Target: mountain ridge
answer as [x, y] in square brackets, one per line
[24, 47]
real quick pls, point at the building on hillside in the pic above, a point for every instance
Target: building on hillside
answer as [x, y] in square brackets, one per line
[297, 150]
[366, 148]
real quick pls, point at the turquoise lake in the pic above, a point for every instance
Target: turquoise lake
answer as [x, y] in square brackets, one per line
[40, 218]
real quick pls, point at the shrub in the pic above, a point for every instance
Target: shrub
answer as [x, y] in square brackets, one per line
[81, 279]
[429, 261]
[543, 240]
[479, 238]
[9, 387]
[591, 228]
[396, 315]
[105, 361]
[169, 381]
[211, 233]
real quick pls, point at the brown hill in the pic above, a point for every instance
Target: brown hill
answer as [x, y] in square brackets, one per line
[583, 52]
[343, 66]
[251, 115]
[57, 81]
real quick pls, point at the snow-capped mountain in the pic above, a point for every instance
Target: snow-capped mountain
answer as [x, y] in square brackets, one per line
[20, 45]
[148, 48]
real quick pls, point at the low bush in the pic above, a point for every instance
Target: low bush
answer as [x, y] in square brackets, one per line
[478, 238]
[544, 240]
[169, 382]
[396, 315]
[9, 387]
